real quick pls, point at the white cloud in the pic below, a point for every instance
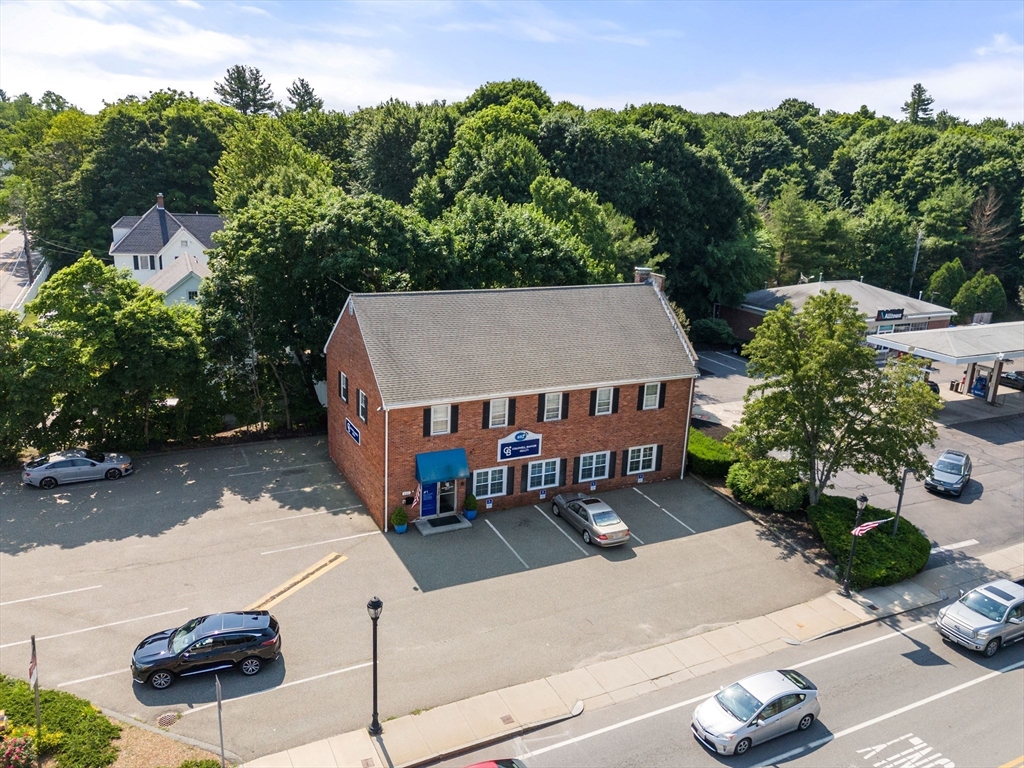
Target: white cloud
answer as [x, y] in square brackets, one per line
[1001, 45]
[190, 4]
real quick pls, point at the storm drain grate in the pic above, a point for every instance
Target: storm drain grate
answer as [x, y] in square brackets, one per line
[367, 762]
[170, 718]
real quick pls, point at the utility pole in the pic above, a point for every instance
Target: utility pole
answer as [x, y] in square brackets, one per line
[913, 269]
[28, 252]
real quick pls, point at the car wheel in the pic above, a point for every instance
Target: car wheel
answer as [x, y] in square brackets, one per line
[250, 666]
[554, 509]
[48, 483]
[161, 679]
[586, 537]
[742, 747]
[113, 474]
[805, 722]
[992, 647]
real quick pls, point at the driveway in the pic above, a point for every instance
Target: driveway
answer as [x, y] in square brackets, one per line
[90, 569]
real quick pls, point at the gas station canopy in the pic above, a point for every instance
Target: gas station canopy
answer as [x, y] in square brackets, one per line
[961, 345]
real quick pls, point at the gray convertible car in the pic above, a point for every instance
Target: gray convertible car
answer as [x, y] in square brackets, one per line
[75, 466]
[595, 519]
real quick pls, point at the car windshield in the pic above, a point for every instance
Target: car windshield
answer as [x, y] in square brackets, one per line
[949, 466]
[738, 702]
[981, 603]
[93, 456]
[606, 518]
[184, 636]
[38, 462]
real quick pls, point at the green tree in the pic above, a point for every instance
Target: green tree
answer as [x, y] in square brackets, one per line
[11, 431]
[303, 98]
[245, 89]
[382, 142]
[982, 293]
[795, 226]
[887, 242]
[918, 108]
[946, 282]
[822, 400]
[503, 92]
[989, 233]
[506, 169]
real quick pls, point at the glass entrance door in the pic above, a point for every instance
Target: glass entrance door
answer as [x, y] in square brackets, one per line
[446, 497]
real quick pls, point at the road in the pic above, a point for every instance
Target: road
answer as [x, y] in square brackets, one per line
[13, 269]
[893, 695]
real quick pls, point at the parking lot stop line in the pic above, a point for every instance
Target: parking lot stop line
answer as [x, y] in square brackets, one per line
[663, 510]
[93, 677]
[278, 469]
[508, 545]
[318, 543]
[559, 528]
[951, 547]
[99, 626]
[293, 585]
[307, 514]
[52, 594]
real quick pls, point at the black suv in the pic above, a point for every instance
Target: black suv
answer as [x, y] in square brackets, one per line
[245, 639]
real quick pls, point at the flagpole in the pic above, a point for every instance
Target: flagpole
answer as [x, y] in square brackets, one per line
[33, 678]
[220, 722]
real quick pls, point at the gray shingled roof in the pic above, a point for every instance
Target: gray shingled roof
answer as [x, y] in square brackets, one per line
[868, 298]
[157, 226]
[465, 345]
[126, 221]
[168, 279]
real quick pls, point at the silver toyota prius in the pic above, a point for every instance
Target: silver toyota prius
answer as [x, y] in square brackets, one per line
[75, 466]
[756, 709]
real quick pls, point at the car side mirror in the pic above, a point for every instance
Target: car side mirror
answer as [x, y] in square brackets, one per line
[186, 655]
[962, 593]
[1016, 620]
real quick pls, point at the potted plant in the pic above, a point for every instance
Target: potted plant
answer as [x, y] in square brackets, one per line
[399, 519]
[469, 506]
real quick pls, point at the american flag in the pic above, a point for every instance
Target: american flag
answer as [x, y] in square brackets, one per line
[860, 530]
[416, 498]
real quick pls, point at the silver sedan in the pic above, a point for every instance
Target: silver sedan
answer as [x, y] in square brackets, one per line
[75, 466]
[595, 519]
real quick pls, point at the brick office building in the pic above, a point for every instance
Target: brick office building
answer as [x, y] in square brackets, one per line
[513, 395]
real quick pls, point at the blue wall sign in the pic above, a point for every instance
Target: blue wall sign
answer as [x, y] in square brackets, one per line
[351, 429]
[428, 500]
[519, 445]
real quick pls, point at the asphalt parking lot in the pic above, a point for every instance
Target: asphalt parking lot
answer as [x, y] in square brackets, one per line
[91, 569]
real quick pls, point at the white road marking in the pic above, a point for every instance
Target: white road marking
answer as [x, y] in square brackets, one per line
[734, 366]
[559, 529]
[958, 545]
[193, 710]
[52, 594]
[335, 484]
[307, 514]
[508, 545]
[90, 629]
[94, 677]
[278, 469]
[663, 510]
[634, 536]
[318, 543]
[919, 754]
[866, 643]
[241, 466]
[888, 715]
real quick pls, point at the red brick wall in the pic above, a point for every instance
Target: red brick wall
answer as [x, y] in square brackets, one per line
[741, 321]
[942, 322]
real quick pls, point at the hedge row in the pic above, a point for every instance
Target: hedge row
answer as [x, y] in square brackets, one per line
[882, 558]
[707, 456]
[768, 484]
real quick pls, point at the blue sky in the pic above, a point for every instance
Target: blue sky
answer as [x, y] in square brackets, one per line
[705, 56]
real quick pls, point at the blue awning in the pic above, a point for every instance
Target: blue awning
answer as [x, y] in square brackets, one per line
[437, 466]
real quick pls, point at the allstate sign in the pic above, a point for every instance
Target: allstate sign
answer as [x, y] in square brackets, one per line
[519, 445]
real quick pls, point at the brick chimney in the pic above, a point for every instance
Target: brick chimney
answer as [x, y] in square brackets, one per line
[649, 276]
[160, 201]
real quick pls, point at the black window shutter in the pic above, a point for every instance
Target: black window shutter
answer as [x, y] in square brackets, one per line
[525, 478]
[540, 407]
[510, 481]
[625, 462]
[565, 405]
[455, 419]
[593, 402]
[611, 461]
[657, 459]
[661, 394]
[640, 398]
[563, 465]
[511, 411]
[576, 470]
[426, 422]
[615, 400]
[341, 394]
[487, 414]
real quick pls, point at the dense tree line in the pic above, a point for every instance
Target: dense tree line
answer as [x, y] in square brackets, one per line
[506, 188]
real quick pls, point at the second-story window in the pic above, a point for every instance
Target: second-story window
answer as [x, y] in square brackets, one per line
[650, 396]
[362, 405]
[552, 406]
[603, 402]
[440, 419]
[499, 413]
[343, 386]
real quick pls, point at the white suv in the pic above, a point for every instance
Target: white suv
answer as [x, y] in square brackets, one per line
[985, 618]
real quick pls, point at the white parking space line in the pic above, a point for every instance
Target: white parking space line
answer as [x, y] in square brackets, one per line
[278, 469]
[279, 687]
[663, 510]
[336, 484]
[888, 715]
[958, 545]
[559, 529]
[90, 629]
[732, 364]
[307, 514]
[508, 545]
[318, 543]
[52, 594]
[94, 677]
[241, 466]
[634, 536]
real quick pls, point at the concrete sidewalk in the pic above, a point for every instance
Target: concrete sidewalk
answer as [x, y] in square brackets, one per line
[464, 725]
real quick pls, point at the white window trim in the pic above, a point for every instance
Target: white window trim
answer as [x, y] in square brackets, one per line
[597, 401]
[447, 420]
[529, 474]
[504, 422]
[344, 387]
[489, 470]
[363, 406]
[547, 407]
[657, 395]
[606, 455]
[640, 449]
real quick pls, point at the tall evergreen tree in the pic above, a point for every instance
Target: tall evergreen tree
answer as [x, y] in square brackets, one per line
[245, 89]
[303, 98]
[919, 108]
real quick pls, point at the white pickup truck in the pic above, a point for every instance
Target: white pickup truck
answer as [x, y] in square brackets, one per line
[986, 618]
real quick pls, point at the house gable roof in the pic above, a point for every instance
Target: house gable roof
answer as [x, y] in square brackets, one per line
[868, 298]
[166, 280]
[154, 229]
[447, 346]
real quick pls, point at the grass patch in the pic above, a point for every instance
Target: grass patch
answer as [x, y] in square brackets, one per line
[707, 456]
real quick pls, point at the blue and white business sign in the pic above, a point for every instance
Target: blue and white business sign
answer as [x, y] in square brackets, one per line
[351, 429]
[519, 445]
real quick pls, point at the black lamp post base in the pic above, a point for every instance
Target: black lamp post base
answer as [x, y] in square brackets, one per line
[374, 729]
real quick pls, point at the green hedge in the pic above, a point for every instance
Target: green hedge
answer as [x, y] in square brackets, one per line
[881, 558]
[768, 484]
[85, 732]
[707, 456]
[711, 332]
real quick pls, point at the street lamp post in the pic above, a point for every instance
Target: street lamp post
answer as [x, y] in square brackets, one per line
[862, 502]
[374, 607]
